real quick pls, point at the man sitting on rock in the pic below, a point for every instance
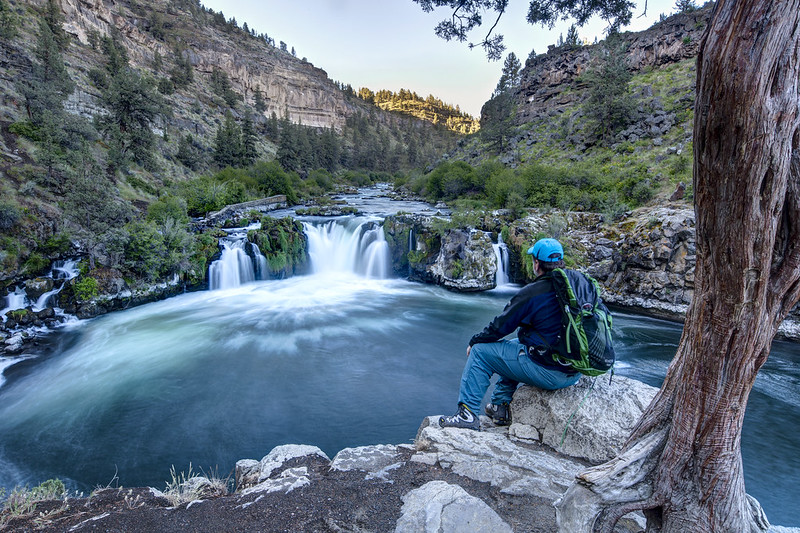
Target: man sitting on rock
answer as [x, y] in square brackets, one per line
[535, 311]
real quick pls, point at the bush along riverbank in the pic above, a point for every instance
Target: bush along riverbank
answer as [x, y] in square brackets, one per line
[36, 305]
[645, 262]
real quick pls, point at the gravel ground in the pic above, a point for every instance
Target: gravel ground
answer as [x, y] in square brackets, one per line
[334, 501]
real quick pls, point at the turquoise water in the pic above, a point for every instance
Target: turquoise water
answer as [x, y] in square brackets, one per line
[329, 360]
[334, 359]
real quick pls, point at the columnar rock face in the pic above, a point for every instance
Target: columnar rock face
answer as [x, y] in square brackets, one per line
[287, 83]
[546, 78]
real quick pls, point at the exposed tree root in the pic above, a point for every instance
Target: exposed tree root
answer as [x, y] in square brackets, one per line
[605, 493]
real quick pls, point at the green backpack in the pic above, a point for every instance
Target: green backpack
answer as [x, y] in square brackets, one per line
[585, 342]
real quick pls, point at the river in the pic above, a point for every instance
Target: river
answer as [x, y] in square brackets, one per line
[337, 358]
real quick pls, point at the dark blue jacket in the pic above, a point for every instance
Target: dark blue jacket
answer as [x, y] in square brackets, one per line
[534, 310]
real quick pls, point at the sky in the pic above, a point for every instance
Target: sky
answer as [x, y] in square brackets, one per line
[390, 44]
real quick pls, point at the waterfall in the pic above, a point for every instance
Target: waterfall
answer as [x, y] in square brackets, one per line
[348, 245]
[234, 266]
[352, 245]
[15, 300]
[501, 254]
[259, 261]
[63, 271]
[376, 253]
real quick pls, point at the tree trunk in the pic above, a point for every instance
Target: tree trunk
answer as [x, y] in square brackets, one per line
[682, 463]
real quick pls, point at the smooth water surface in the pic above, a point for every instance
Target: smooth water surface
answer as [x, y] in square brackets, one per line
[334, 361]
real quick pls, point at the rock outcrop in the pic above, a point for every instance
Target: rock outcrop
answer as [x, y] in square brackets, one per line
[449, 480]
[547, 78]
[460, 259]
[645, 262]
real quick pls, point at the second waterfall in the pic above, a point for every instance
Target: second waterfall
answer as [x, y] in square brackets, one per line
[342, 245]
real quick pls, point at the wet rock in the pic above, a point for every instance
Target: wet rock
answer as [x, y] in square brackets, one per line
[34, 288]
[14, 344]
[466, 261]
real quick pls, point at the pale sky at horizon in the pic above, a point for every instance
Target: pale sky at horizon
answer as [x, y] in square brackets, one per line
[390, 44]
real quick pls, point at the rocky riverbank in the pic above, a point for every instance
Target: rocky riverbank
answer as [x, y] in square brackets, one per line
[645, 263]
[447, 480]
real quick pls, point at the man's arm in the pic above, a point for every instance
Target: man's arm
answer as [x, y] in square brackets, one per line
[504, 323]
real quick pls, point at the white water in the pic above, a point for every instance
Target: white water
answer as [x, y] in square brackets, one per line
[60, 271]
[344, 246]
[233, 268]
[355, 245]
[501, 254]
[15, 300]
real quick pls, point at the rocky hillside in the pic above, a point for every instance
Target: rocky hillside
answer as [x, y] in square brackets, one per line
[430, 109]
[106, 107]
[621, 109]
[287, 83]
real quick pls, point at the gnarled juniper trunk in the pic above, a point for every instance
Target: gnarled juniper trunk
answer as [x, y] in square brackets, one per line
[682, 464]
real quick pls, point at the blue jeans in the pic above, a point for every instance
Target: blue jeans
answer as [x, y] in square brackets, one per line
[508, 359]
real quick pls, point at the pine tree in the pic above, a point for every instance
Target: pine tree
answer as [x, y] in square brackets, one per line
[260, 103]
[249, 154]
[182, 73]
[272, 129]
[50, 83]
[133, 106]
[685, 6]
[55, 20]
[228, 143]
[115, 52]
[8, 21]
[511, 76]
[158, 62]
[188, 153]
[572, 40]
[610, 105]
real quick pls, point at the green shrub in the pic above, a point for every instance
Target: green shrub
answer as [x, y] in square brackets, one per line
[173, 207]
[25, 129]
[35, 264]
[452, 180]
[9, 215]
[138, 183]
[85, 288]
[145, 251]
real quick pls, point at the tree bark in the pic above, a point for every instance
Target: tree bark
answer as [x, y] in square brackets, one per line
[686, 447]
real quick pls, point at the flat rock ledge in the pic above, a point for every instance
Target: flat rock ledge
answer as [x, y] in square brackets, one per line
[448, 480]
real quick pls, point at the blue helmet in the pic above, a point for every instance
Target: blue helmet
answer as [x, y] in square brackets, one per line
[547, 250]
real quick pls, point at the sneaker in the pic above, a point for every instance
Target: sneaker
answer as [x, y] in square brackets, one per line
[500, 414]
[464, 418]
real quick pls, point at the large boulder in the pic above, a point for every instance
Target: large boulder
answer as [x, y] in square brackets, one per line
[283, 469]
[466, 261]
[590, 420]
[489, 456]
[438, 506]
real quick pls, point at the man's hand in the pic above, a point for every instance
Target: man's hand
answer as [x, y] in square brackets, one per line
[469, 348]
